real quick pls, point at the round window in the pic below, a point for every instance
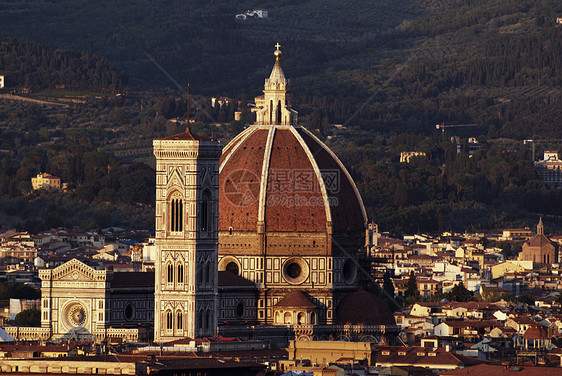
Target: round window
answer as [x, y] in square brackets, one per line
[295, 270]
[240, 309]
[129, 312]
[75, 315]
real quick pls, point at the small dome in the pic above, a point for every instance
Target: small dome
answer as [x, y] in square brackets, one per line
[296, 299]
[364, 308]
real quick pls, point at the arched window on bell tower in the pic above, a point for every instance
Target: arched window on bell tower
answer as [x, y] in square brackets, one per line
[278, 117]
[206, 212]
[180, 273]
[170, 273]
[179, 320]
[169, 320]
[176, 212]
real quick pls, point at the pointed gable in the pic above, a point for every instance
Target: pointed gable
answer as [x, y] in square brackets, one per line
[74, 270]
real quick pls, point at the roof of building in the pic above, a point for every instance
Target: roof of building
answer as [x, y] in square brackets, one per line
[472, 305]
[535, 332]
[167, 363]
[364, 307]
[304, 180]
[129, 279]
[470, 323]
[522, 320]
[539, 240]
[296, 299]
[504, 370]
[421, 356]
[189, 136]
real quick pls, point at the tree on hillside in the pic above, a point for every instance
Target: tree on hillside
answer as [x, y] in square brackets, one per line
[412, 293]
[459, 293]
[387, 292]
[388, 286]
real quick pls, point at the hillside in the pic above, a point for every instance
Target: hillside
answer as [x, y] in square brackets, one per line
[400, 68]
[406, 64]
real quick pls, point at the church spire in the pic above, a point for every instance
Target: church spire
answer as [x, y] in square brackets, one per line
[540, 227]
[274, 107]
[277, 80]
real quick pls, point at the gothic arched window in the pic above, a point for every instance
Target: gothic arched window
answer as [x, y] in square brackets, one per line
[180, 273]
[278, 117]
[206, 212]
[170, 273]
[175, 210]
[169, 320]
[200, 320]
[179, 320]
[209, 321]
[209, 273]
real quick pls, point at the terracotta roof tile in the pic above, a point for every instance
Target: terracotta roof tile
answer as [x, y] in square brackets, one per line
[539, 241]
[187, 135]
[296, 299]
[294, 200]
[501, 370]
[535, 333]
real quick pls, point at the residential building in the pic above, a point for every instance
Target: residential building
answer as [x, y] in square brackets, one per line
[550, 169]
[45, 181]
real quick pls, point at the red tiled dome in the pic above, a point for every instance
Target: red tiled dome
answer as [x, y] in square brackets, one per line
[364, 307]
[296, 299]
[288, 179]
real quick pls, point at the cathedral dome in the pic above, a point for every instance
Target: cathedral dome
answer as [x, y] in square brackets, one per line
[288, 180]
[276, 176]
[290, 216]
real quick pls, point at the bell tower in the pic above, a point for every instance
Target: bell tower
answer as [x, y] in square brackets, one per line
[187, 178]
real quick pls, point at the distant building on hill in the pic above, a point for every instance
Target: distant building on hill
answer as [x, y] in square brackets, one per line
[516, 233]
[405, 156]
[539, 248]
[550, 169]
[255, 13]
[44, 180]
[1, 82]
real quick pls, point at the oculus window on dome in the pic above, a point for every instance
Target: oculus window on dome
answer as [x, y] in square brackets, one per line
[295, 270]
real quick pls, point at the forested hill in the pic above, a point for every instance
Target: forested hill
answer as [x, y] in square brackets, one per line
[28, 64]
[388, 66]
